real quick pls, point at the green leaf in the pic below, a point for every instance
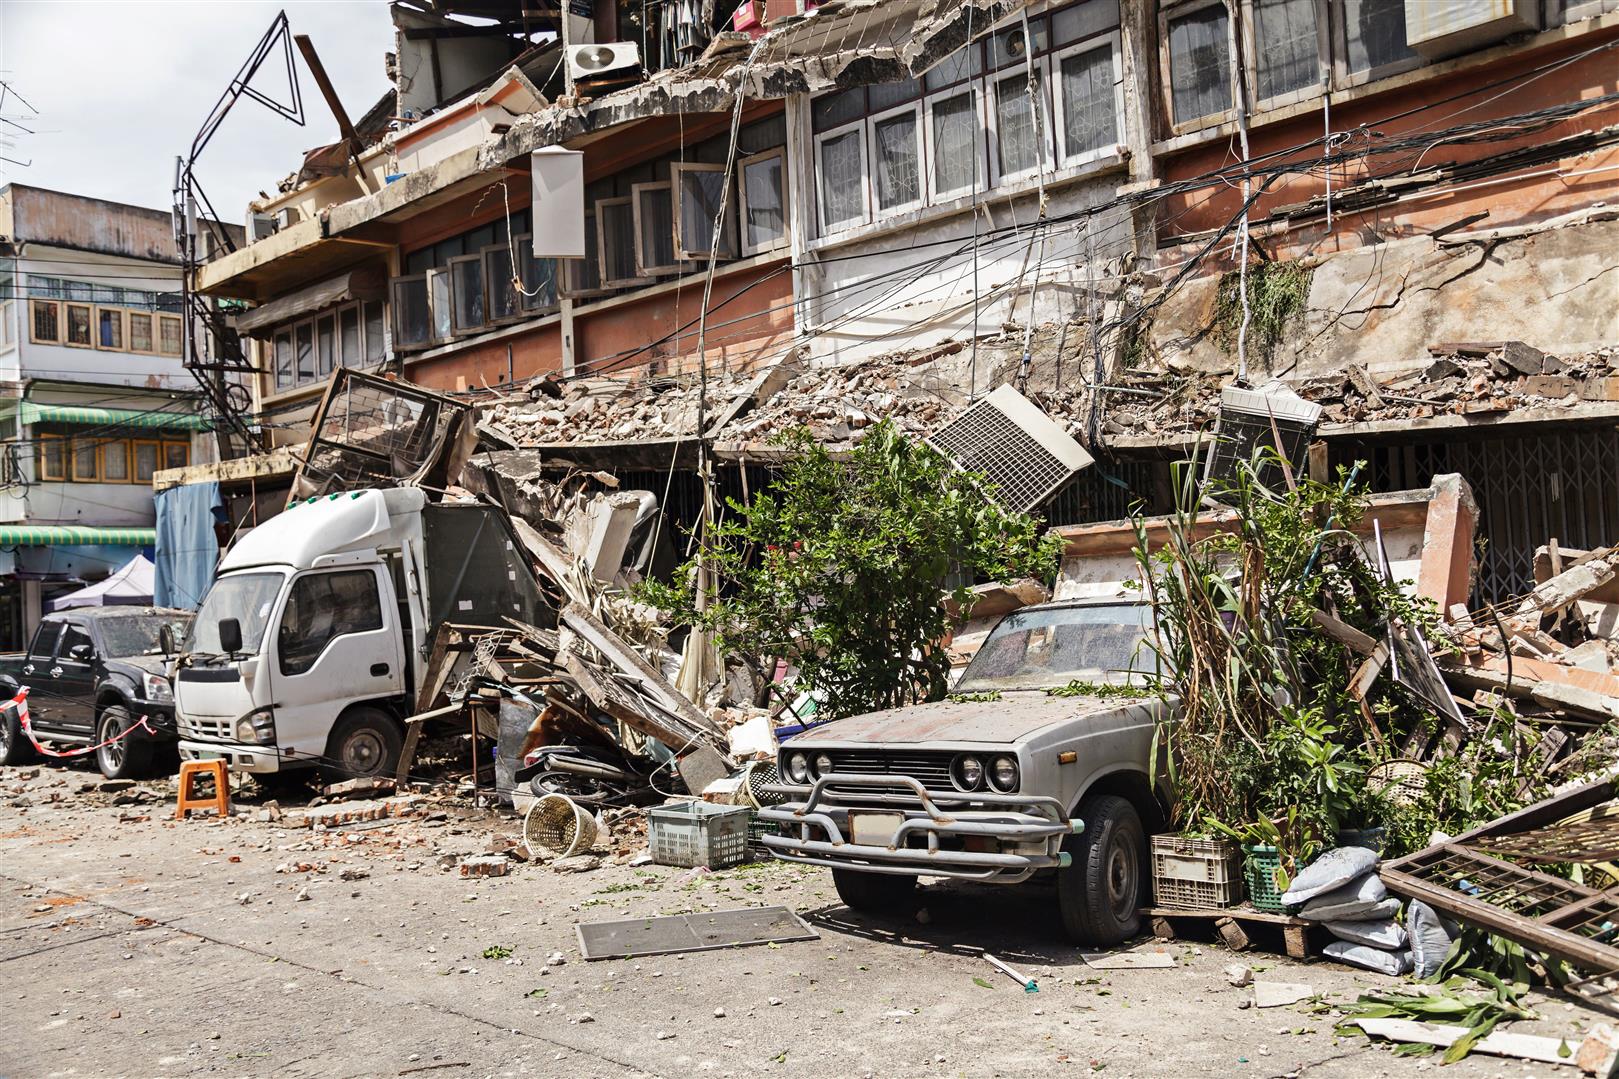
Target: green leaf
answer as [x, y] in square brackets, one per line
[982, 984]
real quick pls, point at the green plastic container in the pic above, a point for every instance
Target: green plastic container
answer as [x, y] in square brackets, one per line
[1260, 866]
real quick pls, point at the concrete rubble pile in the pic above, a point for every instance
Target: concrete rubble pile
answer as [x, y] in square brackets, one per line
[605, 409]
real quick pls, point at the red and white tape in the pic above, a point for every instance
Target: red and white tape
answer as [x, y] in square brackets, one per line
[20, 702]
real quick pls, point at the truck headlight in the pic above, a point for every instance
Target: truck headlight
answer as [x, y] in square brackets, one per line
[798, 768]
[1003, 774]
[823, 764]
[156, 688]
[969, 773]
[258, 727]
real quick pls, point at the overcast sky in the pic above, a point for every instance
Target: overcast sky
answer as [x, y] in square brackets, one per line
[121, 89]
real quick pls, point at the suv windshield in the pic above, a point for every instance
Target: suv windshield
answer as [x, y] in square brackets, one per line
[1047, 647]
[136, 634]
[246, 597]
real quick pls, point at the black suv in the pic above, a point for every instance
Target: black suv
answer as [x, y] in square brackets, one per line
[92, 673]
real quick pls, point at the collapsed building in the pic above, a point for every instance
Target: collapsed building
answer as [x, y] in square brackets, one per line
[1121, 209]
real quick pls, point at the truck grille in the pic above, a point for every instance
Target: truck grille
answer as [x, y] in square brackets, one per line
[213, 729]
[932, 770]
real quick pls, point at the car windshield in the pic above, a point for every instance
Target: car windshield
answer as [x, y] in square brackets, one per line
[1047, 647]
[137, 634]
[246, 597]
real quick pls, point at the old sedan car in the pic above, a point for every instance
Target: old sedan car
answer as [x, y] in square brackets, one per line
[1039, 763]
[92, 673]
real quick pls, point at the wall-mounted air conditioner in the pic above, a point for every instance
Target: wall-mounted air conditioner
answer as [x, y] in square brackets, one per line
[1024, 455]
[286, 217]
[593, 61]
[259, 226]
[1439, 28]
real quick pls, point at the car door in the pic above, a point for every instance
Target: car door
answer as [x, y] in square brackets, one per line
[44, 707]
[75, 674]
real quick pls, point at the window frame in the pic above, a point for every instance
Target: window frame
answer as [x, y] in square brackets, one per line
[135, 461]
[642, 267]
[611, 283]
[104, 451]
[730, 242]
[530, 306]
[283, 331]
[858, 129]
[396, 311]
[57, 318]
[1045, 128]
[786, 238]
[95, 328]
[1342, 77]
[298, 379]
[980, 181]
[1323, 47]
[68, 306]
[1167, 12]
[359, 336]
[918, 113]
[129, 327]
[1059, 123]
[157, 341]
[325, 359]
[64, 447]
[492, 283]
[457, 329]
[168, 444]
[570, 284]
[73, 452]
[432, 277]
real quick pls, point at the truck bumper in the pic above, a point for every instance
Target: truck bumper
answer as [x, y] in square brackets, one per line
[260, 760]
[912, 831]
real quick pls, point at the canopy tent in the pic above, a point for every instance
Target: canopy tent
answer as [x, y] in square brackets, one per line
[130, 585]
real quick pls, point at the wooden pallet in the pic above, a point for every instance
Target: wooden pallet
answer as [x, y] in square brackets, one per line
[1229, 922]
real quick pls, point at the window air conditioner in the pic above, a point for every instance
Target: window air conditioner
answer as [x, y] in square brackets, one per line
[285, 217]
[1020, 450]
[1440, 28]
[259, 226]
[591, 61]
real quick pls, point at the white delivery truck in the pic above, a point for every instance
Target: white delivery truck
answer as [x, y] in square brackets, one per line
[309, 648]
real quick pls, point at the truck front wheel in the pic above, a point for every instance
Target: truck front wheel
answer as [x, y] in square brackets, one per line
[364, 744]
[119, 754]
[1099, 892]
[875, 893]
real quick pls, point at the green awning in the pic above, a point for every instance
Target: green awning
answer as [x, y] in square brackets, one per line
[75, 535]
[34, 412]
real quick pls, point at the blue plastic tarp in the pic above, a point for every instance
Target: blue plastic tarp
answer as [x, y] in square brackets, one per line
[186, 548]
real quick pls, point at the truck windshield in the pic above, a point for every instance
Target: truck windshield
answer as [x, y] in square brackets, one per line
[1049, 647]
[246, 597]
[136, 635]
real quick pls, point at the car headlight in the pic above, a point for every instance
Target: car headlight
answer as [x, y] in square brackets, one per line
[257, 727]
[1003, 774]
[156, 688]
[798, 768]
[823, 764]
[969, 773]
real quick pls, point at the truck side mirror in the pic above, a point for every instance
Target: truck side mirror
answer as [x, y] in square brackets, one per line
[165, 638]
[80, 652]
[230, 635]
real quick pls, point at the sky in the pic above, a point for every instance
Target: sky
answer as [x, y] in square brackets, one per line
[121, 89]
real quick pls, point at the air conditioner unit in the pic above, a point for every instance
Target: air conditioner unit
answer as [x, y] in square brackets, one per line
[1440, 28]
[259, 226]
[1021, 451]
[285, 217]
[1272, 416]
[592, 61]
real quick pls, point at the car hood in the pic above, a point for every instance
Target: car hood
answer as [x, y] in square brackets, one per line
[1014, 716]
[149, 664]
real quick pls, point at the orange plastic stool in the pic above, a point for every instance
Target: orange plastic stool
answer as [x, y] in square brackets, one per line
[190, 772]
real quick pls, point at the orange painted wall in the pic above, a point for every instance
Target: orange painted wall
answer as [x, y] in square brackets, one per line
[536, 352]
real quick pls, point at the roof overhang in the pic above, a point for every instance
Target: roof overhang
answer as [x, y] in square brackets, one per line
[367, 283]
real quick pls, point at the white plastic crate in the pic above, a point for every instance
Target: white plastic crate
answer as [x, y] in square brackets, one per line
[1196, 874]
[690, 834]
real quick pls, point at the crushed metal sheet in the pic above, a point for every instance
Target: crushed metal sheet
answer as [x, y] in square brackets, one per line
[633, 937]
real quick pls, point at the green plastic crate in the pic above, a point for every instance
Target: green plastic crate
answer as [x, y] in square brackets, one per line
[1260, 865]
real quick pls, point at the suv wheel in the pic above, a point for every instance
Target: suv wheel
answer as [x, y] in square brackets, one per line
[130, 757]
[14, 745]
[875, 893]
[1099, 893]
[364, 744]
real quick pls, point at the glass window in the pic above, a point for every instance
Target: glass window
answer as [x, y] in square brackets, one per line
[1287, 52]
[304, 351]
[115, 462]
[835, 110]
[146, 461]
[584, 275]
[958, 66]
[504, 300]
[438, 303]
[348, 337]
[1009, 46]
[1090, 121]
[896, 160]
[654, 213]
[139, 634]
[140, 332]
[843, 199]
[616, 218]
[321, 608]
[246, 597]
[1017, 139]
[168, 336]
[375, 343]
[885, 95]
[1051, 647]
[45, 320]
[53, 458]
[539, 276]
[1375, 33]
[85, 460]
[176, 454]
[1083, 20]
[1199, 63]
[466, 283]
[44, 644]
[110, 329]
[78, 325]
[955, 144]
[702, 191]
[413, 324]
[764, 187]
[761, 135]
[283, 359]
[325, 343]
[76, 637]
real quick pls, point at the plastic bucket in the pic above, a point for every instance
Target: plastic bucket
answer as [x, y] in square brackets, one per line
[555, 823]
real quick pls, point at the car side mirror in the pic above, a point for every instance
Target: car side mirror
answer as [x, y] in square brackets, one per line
[230, 635]
[80, 652]
[165, 638]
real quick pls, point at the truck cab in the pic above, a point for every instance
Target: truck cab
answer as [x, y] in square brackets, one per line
[307, 649]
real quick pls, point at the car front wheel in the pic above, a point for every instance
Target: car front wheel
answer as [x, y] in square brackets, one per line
[1099, 892]
[119, 754]
[875, 893]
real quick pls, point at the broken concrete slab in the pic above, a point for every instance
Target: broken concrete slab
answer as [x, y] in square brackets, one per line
[1280, 994]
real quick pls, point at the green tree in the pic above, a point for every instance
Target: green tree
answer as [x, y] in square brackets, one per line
[842, 566]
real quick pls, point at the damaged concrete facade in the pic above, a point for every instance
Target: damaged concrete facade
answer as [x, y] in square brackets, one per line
[1044, 194]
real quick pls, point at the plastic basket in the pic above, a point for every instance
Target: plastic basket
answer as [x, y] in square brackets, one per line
[1196, 874]
[757, 830]
[1260, 865]
[691, 834]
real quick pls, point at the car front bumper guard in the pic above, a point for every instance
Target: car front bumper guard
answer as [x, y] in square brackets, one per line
[1025, 819]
